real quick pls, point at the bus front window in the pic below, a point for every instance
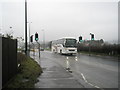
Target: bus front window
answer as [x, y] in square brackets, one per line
[70, 43]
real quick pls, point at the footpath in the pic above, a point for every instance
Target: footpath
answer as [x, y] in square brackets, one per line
[54, 76]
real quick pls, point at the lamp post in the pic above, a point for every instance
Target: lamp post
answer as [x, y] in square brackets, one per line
[26, 27]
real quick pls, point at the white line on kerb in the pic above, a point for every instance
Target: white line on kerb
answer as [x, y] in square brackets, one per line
[88, 82]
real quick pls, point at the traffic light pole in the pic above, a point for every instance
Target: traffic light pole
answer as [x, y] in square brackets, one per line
[36, 39]
[90, 44]
[92, 38]
[89, 47]
[33, 49]
[39, 49]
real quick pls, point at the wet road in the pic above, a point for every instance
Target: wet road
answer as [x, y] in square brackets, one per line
[97, 71]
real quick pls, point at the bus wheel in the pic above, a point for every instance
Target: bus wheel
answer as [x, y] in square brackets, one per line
[60, 51]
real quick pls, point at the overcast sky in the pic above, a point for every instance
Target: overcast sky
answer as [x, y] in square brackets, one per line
[62, 18]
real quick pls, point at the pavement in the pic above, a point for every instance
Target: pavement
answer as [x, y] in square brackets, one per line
[54, 75]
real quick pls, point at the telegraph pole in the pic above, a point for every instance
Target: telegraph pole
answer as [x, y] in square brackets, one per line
[26, 27]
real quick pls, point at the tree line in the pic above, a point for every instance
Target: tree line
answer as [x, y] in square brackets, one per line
[110, 49]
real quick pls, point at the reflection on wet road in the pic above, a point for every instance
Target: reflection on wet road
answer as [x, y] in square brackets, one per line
[97, 71]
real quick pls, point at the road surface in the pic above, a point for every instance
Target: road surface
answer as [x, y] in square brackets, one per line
[97, 71]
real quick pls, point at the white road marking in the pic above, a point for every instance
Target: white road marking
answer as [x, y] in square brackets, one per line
[97, 87]
[76, 59]
[84, 77]
[67, 64]
[67, 58]
[88, 82]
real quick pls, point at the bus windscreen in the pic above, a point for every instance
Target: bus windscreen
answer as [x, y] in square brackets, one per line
[70, 43]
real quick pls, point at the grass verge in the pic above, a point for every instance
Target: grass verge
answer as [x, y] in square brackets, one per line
[27, 75]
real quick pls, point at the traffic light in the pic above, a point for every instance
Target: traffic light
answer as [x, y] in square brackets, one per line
[80, 39]
[36, 36]
[92, 37]
[31, 38]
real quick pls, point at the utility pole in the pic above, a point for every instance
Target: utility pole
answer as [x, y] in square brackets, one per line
[26, 27]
